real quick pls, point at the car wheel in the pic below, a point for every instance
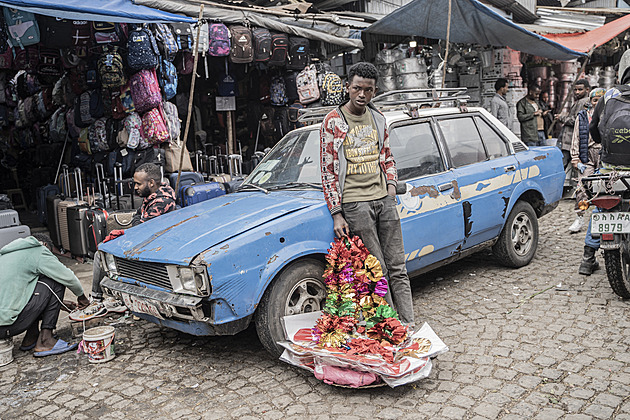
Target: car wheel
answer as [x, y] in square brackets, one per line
[519, 238]
[298, 289]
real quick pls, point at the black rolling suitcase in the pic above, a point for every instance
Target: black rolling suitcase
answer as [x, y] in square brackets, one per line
[97, 216]
[77, 222]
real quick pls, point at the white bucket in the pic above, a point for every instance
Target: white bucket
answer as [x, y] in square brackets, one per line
[98, 343]
[6, 351]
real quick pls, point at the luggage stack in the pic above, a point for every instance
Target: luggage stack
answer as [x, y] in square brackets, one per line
[10, 227]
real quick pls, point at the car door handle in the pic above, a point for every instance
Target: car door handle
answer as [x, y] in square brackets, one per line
[510, 168]
[445, 187]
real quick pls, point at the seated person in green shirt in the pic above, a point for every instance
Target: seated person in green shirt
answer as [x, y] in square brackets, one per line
[32, 286]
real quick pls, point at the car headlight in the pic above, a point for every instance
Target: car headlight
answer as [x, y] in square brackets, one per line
[193, 279]
[109, 263]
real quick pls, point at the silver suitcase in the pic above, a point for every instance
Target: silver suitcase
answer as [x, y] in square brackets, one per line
[9, 234]
[9, 218]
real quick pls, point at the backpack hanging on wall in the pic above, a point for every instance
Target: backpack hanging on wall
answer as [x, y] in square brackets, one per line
[291, 86]
[111, 68]
[331, 89]
[262, 45]
[56, 32]
[306, 82]
[278, 91]
[154, 126]
[145, 90]
[299, 50]
[81, 33]
[183, 36]
[97, 135]
[109, 33]
[142, 50]
[49, 62]
[165, 41]
[168, 79]
[26, 58]
[242, 47]
[279, 49]
[172, 120]
[22, 27]
[219, 40]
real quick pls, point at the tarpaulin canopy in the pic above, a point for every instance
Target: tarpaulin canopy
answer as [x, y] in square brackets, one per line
[97, 10]
[585, 41]
[241, 15]
[471, 22]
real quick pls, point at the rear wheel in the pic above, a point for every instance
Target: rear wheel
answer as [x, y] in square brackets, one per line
[299, 288]
[519, 239]
[617, 268]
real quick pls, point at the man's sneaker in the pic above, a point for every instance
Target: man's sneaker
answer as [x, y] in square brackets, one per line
[93, 310]
[115, 305]
[577, 225]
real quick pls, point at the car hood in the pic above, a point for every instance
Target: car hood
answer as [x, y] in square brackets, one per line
[177, 237]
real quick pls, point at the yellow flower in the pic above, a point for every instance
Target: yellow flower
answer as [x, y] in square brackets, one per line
[373, 268]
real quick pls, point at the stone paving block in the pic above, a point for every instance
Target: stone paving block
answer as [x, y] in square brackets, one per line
[598, 411]
[549, 414]
[487, 410]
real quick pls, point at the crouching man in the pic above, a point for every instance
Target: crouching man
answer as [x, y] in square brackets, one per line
[32, 285]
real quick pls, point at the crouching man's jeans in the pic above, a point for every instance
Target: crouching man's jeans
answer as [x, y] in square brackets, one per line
[378, 225]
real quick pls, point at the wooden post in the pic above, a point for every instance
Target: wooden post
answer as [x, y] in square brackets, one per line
[190, 99]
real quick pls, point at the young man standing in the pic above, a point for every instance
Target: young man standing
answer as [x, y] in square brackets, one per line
[580, 94]
[359, 179]
[530, 115]
[498, 105]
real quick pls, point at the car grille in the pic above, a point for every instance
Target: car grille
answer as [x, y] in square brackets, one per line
[145, 272]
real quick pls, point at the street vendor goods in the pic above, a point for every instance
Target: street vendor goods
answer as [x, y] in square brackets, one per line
[358, 340]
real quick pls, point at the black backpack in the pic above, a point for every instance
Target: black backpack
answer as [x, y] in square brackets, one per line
[291, 87]
[262, 44]
[614, 126]
[242, 50]
[56, 32]
[299, 50]
[279, 49]
[142, 50]
[183, 36]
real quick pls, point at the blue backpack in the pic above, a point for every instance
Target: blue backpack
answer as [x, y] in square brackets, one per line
[22, 27]
[166, 41]
[168, 79]
[142, 49]
[278, 91]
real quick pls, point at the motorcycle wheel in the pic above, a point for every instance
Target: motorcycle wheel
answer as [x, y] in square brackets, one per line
[618, 268]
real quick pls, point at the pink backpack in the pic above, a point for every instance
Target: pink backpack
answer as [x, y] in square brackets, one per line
[219, 40]
[307, 88]
[154, 126]
[145, 90]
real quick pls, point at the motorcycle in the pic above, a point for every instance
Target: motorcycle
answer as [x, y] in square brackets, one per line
[610, 193]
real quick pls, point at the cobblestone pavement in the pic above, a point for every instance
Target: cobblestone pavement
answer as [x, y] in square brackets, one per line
[537, 342]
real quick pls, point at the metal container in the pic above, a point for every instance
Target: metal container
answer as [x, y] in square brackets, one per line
[385, 70]
[537, 72]
[412, 81]
[388, 56]
[569, 66]
[386, 83]
[410, 65]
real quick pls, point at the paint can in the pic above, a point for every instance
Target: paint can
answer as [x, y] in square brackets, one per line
[98, 343]
[6, 351]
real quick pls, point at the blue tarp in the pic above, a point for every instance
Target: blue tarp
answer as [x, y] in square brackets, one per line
[96, 10]
[472, 23]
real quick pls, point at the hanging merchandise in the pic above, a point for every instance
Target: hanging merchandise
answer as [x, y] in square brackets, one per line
[183, 36]
[172, 121]
[306, 82]
[142, 50]
[219, 40]
[331, 89]
[227, 83]
[131, 135]
[145, 90]
[154, 126]
[291, 87]
[57, 127]
[88, 107]
[111, 68]
[105, 33]
[242, 46]
[299, 50]
[126, 100]
[262, 45]
[168, 79]
[97, 134]
[22, 27]
[203, 44]
[278, 91]
[56, 32]
[49, 62]
[84, 141]
[81, 33]
[165, 41]
[279, 49]
[26, 58]
[6, 58]
[184, 62]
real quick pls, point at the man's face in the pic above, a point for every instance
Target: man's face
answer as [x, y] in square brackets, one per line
[504, 90]
[533, 94]
[579, 91]
[143, 185]
[361, 91]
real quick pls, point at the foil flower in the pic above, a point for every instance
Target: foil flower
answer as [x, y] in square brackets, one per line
[373, 268]
[381, 287]
[389, 330]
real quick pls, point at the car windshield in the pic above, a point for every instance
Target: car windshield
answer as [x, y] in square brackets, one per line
[292, 163]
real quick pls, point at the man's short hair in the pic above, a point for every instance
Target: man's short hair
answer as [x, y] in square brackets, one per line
[363, 69]
[152, 170]
[44, 240]
[500, 83]
[584, 82]
[532, 86]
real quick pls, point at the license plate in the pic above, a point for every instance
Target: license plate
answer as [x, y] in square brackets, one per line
[617, 222]
[140, 305]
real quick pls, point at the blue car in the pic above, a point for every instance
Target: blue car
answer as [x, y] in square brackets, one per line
[258, 254]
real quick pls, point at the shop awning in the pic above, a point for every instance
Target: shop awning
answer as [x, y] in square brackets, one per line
[97, 10]
[585, 41]
[472, 23]
[231, 14]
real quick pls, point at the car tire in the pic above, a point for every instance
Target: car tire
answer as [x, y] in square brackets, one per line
[299, 288]
[519, 238]
[618, 269]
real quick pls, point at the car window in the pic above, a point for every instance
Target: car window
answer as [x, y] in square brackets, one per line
[495, 145]
[463, 141]
[415, 150]
[294, 159]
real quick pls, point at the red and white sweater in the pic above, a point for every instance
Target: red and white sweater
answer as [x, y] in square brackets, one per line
[333, 161]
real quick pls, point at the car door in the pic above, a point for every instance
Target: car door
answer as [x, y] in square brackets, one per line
[431, 217]
[484, 170]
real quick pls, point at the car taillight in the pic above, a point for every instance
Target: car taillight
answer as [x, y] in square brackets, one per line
[606, 201]
[608, 236]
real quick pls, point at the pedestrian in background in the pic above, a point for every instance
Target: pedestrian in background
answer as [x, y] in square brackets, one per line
[580, 94]
[530, 115]
[498, 105]
[548, 117]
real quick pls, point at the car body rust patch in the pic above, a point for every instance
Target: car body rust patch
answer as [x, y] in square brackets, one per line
[430, 190]
[541, 157]
[456, 194]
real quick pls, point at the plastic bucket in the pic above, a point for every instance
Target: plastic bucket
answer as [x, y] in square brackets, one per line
[98, 344]
[6, 351]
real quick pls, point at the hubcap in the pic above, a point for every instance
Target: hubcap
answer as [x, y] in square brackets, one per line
[522, 234]
[306, 296]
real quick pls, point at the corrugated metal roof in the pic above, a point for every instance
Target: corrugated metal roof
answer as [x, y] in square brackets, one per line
[519, 12]
[565, 19]
[543, 30]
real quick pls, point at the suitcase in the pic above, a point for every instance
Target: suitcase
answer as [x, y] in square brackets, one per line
[97, 227]
[42, 195]
[52, 218]
[9, 218]
[220, 178]
[9, 234]
[187, 178]
[78, 230]
[196, 193]
[63, 210]
[120, 219]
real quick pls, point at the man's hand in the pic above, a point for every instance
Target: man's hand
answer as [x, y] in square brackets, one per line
[82, 302]
[537, 113]
[391, 190]
[340, 225]
[68, 306]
